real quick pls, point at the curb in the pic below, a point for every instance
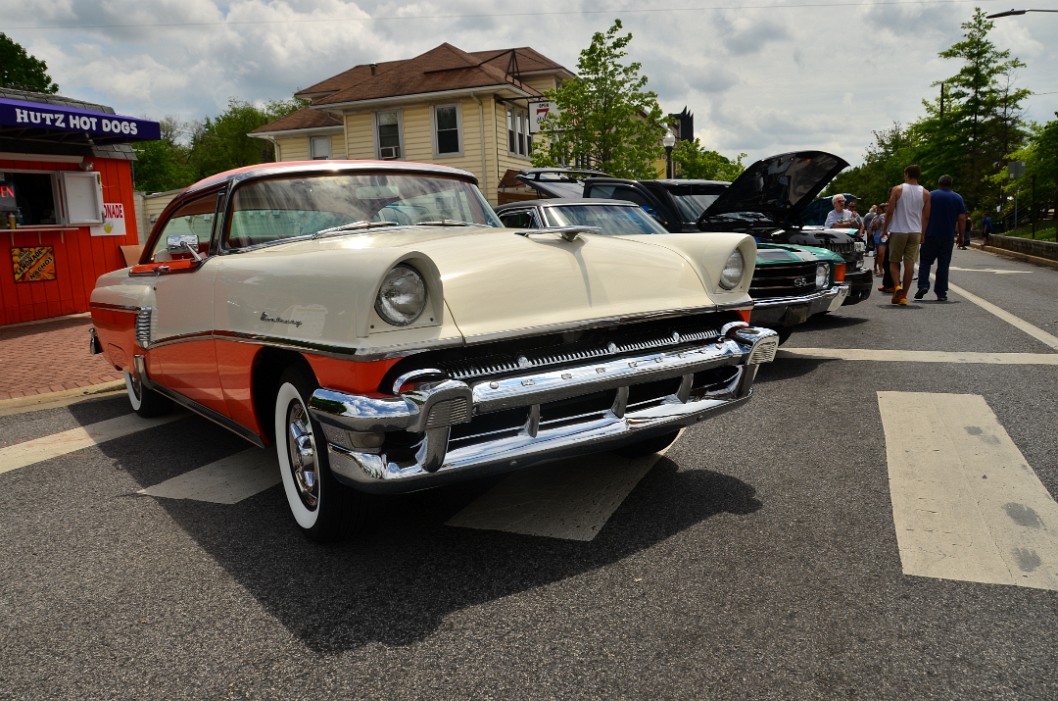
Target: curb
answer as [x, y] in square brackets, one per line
[1016, 255]
[53, 400]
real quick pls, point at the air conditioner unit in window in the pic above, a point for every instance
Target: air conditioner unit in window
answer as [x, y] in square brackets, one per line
[389, 153]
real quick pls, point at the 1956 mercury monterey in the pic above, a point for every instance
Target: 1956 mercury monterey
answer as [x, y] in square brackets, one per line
[375, 323]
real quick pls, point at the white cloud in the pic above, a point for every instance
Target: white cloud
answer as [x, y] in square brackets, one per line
[770, 76]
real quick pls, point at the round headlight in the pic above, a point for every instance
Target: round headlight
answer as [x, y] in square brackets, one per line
[822, 275]
[732, 273]
[402, 297]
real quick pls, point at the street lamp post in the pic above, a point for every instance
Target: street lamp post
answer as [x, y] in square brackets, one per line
[668, 141]
[1012, 13]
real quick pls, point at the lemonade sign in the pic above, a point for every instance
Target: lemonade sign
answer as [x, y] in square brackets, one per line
[113, 221]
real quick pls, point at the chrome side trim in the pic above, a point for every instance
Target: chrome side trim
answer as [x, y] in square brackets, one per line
[827, 294]
[114, 307]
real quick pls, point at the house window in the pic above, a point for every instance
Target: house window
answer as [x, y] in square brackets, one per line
[320, 148]
[518, 139]
[446, 130]
[387, 131]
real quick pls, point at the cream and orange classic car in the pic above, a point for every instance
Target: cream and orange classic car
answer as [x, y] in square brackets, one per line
[375, 323]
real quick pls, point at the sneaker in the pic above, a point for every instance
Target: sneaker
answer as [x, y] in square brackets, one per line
[921, 292]
[942, 298]
[897, 294]
[903, 300]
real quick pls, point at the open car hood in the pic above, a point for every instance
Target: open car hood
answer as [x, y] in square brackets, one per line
[779, 187]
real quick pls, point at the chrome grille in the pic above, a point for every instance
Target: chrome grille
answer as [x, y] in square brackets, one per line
[783, 280]
[453, 411]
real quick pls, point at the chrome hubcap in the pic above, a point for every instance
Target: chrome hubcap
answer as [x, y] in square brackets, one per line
[302, 451]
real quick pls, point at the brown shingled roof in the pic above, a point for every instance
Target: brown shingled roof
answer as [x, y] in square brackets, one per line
[440, 69]
[304, 118]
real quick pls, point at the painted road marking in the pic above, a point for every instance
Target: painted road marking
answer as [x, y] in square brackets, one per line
[966, 504]
[1034, 331]
[566, 500]
[226, 481]
[956, 357]
[994, 271]
[37, 450]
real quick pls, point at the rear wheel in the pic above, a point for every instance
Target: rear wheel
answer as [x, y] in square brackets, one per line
[648, 446]
[317, 501]
[145, 402]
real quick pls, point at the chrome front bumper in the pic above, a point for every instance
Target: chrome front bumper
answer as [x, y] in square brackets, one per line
[790, 311]
[356, 426]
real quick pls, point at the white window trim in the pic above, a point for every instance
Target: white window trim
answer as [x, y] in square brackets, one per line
[400, 132]
[459, 130]
[518, 122]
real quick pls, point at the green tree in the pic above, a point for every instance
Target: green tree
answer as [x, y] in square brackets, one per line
[164, 164]
[222, 143]
[608, 120]
[21, 71]
[976, 119]
[694, 161]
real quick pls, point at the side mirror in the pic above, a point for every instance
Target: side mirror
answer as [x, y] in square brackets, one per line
[183, 243]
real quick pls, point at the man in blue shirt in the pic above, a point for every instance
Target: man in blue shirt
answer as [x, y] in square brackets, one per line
[947, 218]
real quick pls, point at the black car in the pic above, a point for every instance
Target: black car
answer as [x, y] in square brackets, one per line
[767, 201]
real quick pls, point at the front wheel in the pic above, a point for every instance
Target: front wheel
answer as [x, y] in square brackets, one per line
[145, 402]
[317, 501]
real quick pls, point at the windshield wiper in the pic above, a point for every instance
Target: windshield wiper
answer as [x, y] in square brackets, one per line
[444, 222]
[354, 225]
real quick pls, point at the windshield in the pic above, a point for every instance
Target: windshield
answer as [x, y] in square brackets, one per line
[276, 209]
[611, 219]
[691, 206]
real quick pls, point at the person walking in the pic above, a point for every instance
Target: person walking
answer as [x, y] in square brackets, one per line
[906, 220]
[947, 220]
[868, 233]
[964, 240]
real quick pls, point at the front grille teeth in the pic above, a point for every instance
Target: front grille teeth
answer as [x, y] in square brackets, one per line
[471, 371]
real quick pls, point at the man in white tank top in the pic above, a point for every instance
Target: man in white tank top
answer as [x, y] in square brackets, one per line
[907, 216]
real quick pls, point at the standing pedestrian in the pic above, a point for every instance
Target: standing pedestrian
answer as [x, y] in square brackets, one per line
[868, 233]
[838, 216]
[967, 230]
[908, 214]
[947, 220]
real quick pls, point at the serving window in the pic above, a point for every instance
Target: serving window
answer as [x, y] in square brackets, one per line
[50, 199]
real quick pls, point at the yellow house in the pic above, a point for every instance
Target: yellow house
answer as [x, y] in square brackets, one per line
[464, 109]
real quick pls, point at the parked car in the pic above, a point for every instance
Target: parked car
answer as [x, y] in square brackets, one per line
[767, 201]
[374, 322]
[790, 283]
[611, 217]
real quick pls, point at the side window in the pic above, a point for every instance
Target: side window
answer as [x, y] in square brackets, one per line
[320, 148]
[192, 219]
[519, 219]
[388, 135]
[447, 139]
[631, 195]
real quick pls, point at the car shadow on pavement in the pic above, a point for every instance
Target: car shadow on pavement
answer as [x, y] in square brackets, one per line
[397, 580]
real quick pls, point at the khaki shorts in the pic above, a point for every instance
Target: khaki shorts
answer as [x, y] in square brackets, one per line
[904, 247]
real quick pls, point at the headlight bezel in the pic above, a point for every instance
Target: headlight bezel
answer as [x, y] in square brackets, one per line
[733, 271]
[402, 280]
[822, 275]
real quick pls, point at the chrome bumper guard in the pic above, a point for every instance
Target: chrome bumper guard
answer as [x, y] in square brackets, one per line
[354, 425]
[773, 311]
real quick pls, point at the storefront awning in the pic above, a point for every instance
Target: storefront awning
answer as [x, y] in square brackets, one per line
[63, 124]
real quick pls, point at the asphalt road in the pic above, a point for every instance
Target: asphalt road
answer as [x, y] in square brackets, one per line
[759, 558]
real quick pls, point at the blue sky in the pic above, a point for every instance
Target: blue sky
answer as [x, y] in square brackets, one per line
[761, 77]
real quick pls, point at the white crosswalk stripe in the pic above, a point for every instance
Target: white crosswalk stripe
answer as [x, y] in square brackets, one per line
[226, 481]
[966, 504]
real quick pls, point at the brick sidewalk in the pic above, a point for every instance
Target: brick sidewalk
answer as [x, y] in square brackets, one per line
[50, 356]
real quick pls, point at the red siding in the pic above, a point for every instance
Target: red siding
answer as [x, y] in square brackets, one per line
[80, 258]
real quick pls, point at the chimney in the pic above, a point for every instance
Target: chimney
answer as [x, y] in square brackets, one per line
[374, 68]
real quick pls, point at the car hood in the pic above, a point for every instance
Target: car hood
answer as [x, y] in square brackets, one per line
[779, 187]
[493, 282]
